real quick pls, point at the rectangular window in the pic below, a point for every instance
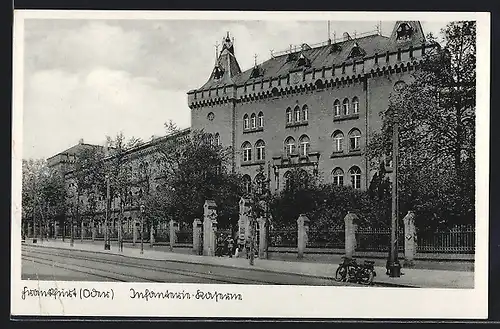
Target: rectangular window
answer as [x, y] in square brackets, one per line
[354, 143]
[346, 108]
[247, 155]
[297, 116]
[289, 117]
[355, 107]
[260, 153]
[338, 180]
[305, 114]
[338, 144]
[254, 123]
[356, 181]
[337, 110]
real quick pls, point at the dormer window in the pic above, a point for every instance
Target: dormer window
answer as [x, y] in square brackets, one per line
[404, 32]
[302, 61]
[356, 51]
[218, 72]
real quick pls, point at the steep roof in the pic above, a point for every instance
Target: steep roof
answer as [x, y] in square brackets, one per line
[404, 35]
[328, 55]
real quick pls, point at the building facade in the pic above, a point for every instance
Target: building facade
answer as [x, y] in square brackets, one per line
[312, 108]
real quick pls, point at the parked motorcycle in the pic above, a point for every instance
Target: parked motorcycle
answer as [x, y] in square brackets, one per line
[351, 271]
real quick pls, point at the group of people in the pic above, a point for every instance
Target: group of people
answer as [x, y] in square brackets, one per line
[228, 246]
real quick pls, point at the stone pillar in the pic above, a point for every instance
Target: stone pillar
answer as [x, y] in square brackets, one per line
[151, 236]
[172, 233]
[82, 230]
[262, 238]
[350, 234]
[135, 233]
[94, 229]
[410, 239]
[197, 237]
[56, 229]
[209, 227]
[243, 222]
[302, 232]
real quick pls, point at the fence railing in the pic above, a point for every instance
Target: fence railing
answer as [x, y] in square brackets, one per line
[459, 239]
[331, 238]
[185, 236]
[283, 238]
[378, 240]
[162, 235]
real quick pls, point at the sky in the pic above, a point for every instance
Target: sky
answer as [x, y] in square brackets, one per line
[88, 79]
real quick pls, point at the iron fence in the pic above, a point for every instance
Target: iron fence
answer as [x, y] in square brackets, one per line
[184, 236]
[283, 238]
[459, 239]
[377, 239]
[331, 238]
[162, 235]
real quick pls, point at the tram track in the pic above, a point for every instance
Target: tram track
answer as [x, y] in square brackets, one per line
[215, 278]
[50, 258]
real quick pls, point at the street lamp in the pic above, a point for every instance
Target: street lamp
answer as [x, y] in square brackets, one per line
[142, 227]
[107, 244]
[394, 265]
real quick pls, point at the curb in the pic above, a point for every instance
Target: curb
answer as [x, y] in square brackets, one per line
[375, 283]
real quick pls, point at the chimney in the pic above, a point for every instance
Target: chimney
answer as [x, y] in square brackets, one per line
[80, 141]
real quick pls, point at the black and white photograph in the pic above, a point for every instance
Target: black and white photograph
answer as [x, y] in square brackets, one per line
[223, 159]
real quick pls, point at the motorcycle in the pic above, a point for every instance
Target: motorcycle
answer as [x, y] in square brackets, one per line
[351, 271]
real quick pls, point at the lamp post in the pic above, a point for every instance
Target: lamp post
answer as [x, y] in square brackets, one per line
[142, 228]
[394, 265]
[107, 244]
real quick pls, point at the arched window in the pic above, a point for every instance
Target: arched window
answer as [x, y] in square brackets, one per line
[336, 108]
[296, 113]
[246, 124]
[217, 139]
[260, 147]
[287, 180]
[355, 174]
[247, 183]
[338, 177]
[345, 107]
[246, 149]
[304, 145]
[305, 113]
[355, 105]
[288, 115]
[338, 141]
[289, 145]
[354, 138]
[254, 121]
[261, 119]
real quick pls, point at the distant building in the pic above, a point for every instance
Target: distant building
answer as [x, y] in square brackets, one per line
[312, 107]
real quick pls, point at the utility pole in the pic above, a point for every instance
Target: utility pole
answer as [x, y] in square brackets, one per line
[107, 245]
[394, 266]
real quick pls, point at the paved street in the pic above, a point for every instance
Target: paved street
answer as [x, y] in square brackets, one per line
[50, 264]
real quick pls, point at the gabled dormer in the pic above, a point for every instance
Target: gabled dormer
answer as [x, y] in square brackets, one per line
[303, 61]
[356, 51]
[408, 32]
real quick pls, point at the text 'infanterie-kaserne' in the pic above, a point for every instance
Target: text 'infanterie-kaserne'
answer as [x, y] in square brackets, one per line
[215, 296]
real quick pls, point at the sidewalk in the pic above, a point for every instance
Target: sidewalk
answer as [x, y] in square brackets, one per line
[412, 277]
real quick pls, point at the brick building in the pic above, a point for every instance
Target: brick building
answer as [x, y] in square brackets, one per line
[310, 107]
